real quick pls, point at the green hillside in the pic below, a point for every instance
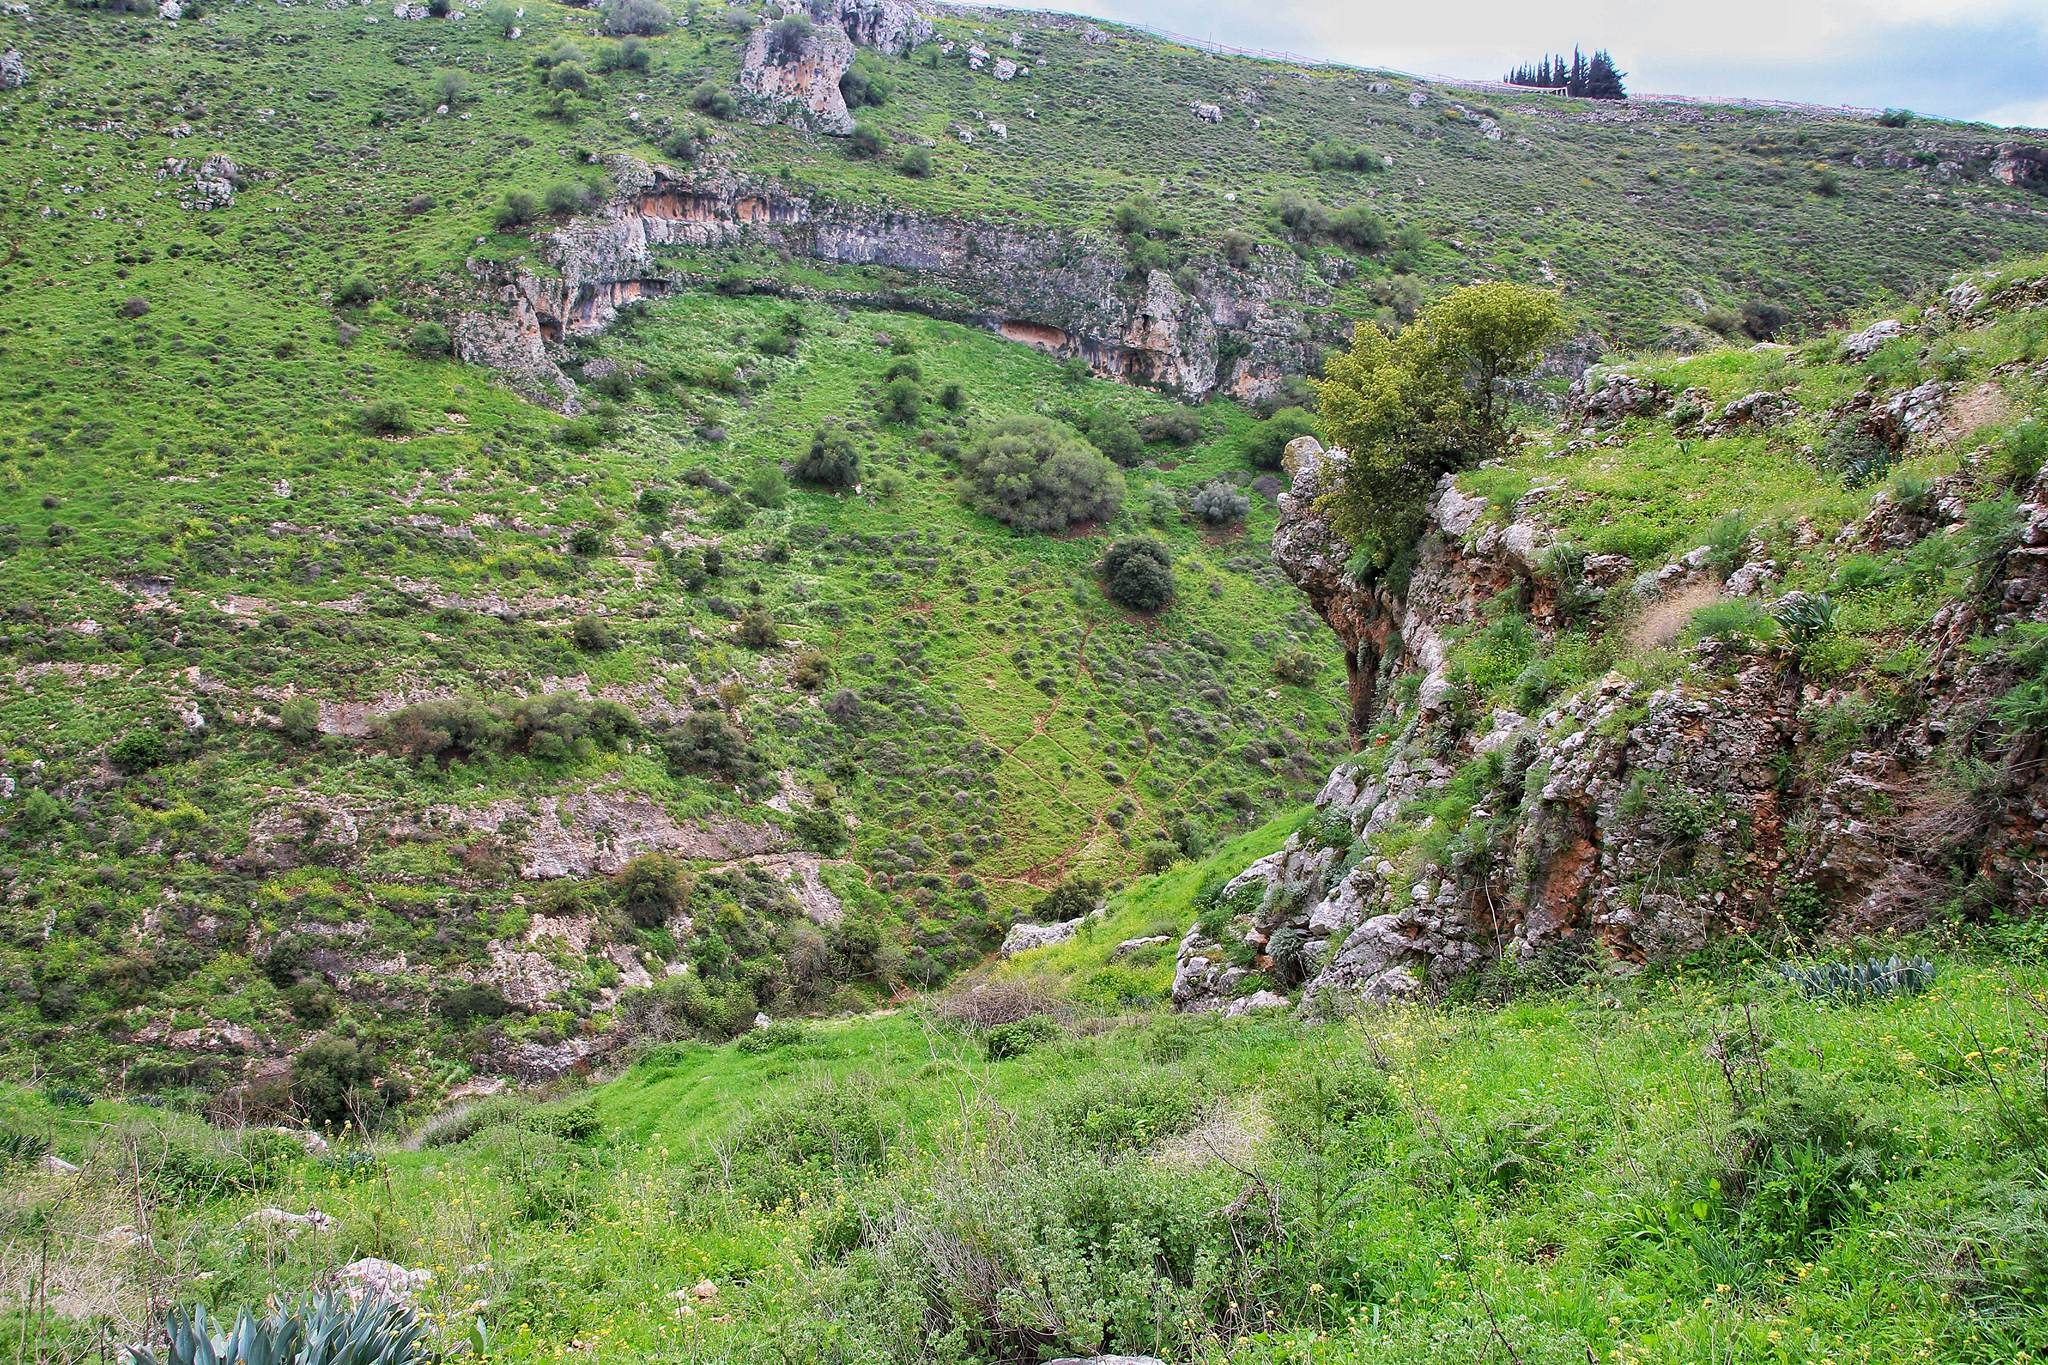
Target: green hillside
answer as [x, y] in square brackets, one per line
[569, 846]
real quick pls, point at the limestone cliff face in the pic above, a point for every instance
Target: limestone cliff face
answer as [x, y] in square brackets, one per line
[1633, 819]
[1217, 327]
[801, 84]
[792, 75]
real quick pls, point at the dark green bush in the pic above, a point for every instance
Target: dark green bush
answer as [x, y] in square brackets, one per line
[386, 417]
[139, 751]
[429, 340]
[832, 461]
[1138, 573]
[643, 17]
[1004, 1041]
[865, 142]
[517, 210]
[334, 1084]
[1110, 432]
[711, 98]
[708, 742]
[1268, 441]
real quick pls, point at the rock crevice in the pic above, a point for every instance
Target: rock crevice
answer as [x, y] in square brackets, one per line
[1630, 820]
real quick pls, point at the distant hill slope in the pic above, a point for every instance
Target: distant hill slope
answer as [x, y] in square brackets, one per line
[343, 679]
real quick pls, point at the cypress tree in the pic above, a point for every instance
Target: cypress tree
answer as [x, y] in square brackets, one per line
[1603, 80]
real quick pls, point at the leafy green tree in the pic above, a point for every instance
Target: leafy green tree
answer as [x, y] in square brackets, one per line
[139, 751]
[902, 400]
[428, 340]
[1138, 573]
[766, 485]
[711, 98]
[1110, 432]
[1411, 407]
[866, 142]
[1039, 477]
[651, 888]
[334, 1084]
[642, 17]
[1267, 444]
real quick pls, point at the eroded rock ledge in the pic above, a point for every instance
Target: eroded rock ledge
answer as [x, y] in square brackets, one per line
[1630, 820]
[1216, 327]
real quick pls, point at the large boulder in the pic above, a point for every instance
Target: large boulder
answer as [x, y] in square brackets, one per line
[13, 70]
[1022, 938]
[1611, 397]
[374, 1278]
[1862, 345]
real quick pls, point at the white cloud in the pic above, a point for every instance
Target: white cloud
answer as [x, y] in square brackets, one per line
[1958, 55]
[2018, 114]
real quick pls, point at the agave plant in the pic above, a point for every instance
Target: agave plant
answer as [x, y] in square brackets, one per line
[19, 1149]
[1804, 616]
[320, 1330]
[1873, 979]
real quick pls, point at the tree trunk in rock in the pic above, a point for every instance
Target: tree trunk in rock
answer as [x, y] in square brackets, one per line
[1361, 677]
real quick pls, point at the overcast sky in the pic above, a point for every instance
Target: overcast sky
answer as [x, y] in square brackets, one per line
[1971, 59]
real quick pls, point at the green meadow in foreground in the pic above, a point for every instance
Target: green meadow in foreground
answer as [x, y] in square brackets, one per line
[1695, 1164]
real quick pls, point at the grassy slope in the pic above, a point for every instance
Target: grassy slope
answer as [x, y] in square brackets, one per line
[1654, 489]
[1568, 1165]
[1567, 1171]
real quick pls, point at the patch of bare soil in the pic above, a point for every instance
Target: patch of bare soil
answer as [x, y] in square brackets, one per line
[1661, 621]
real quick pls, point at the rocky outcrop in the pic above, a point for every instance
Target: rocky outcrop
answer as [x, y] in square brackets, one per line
[1210, 326]
[891, 27]
[791, 74]
[792, 66]
[1632, 820]
[1604, 399]
[213, 181]
[214, 186]
[2021, 165]
[594, 833]
[13, 69]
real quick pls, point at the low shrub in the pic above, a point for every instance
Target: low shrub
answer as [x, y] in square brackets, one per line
[642, 17]
[1876, 978]
[321, 1330]
[1219, 504]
